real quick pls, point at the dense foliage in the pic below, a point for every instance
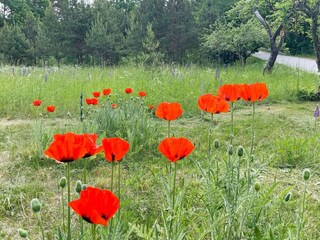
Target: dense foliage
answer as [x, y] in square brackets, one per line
[51, 32]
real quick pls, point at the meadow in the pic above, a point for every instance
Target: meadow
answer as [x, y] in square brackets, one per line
[220, 193]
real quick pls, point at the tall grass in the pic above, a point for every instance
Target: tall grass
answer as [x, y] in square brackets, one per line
[62, 87]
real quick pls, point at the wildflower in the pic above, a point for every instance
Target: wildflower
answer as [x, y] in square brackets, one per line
[212, 104]
[175, 149]
[169, 111]
[142, 94]
[106, 91]
[128, 90]
[37, 103]
[115, 148]
[96, 94]
[51, 108]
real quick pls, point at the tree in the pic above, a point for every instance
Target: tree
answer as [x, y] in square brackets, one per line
[151, 54]
[230, 43]
[274, 16]
[181, 35]
[14, 44]
[105, 38]
[311, 10]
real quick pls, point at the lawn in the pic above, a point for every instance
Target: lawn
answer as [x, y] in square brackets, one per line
[219, 195]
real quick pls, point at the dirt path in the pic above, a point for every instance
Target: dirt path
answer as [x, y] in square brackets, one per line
[304, 64]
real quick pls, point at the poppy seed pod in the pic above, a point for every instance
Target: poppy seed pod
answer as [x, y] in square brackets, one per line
[35, 205]
[216, 143]
[257, 186]
[306, 174]
[78, 186]
[240, 151]
[23, 233]
[63, 182]
[230, 150]
[287, 197]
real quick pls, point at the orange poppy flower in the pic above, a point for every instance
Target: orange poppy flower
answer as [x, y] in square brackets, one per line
[212, 104]
[254, 92]
[96, 206]
[106, 91]
[128, 90]
[175, 149]
[51, 108]
[96, 94]
[229, 92]
[67, 147]
[142, 94]
[115, 148]
[169, 111]
[114, 105]
[37, 103]
[92, 148]
[151, 107]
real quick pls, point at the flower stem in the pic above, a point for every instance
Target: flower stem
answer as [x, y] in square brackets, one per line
[85, 171]
[119, 186]
[62, 201]
[302, 210]
[232, 130]
[112, 173]
[41, 226]
[173, 199]
[168, 129]
[251, 149]
[93, 231]
[69, 210]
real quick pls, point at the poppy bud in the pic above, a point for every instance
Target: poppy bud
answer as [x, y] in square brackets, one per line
[287, 197]
[78, 186]
[84, 186]
[63, 182]
[306, 174]
[23, 233]
[216, 143]
[257, 186]
[35, 205]
[240, 151]
[230, 150]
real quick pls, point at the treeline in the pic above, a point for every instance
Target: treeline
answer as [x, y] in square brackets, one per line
[47, 32]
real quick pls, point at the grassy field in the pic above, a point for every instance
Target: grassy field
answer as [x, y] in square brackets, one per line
[286, 142]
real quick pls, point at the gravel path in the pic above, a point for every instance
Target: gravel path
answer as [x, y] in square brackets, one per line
[304, 64]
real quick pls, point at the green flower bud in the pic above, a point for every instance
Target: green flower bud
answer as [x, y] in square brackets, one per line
[306, 174]
[257, 186]
[35, 205]
[23, 233]
[216, 143]
[287, 197]
[240, 151]
[63, 182]
[84, 186]
[78, 186]
[230, 150]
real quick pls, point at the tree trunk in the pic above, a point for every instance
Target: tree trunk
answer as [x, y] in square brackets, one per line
[314, 27]
[274, 45]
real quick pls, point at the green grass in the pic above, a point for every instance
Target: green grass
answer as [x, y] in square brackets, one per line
[286, 143]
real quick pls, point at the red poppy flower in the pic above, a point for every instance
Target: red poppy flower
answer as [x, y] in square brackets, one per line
[151, 107]
[128, 90]
[37, 103]
[96, 206]
[92, 101]
[115, 148]
[67, 147]
[254, 92]
[230, 92]
[114, 105]
[142, 94]
[96, 94]
[51, 108]
[106, 91]
[212, 104]
[175, 149]
[92, 148]
[169, 111]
